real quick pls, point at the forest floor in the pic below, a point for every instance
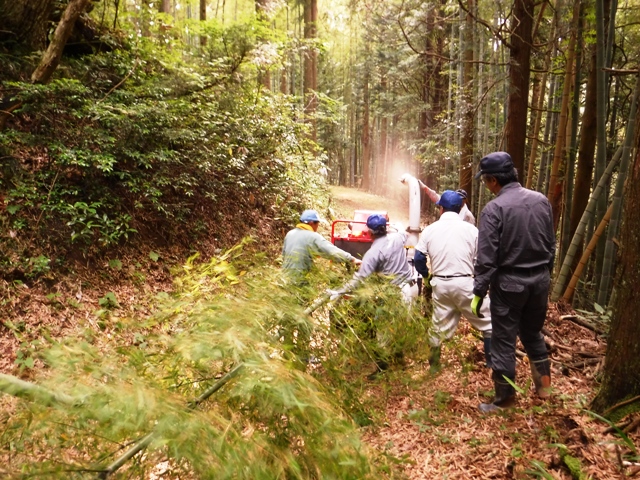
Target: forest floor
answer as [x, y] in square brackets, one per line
[428, 424]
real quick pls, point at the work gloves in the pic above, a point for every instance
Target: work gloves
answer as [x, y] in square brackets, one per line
[476, 304]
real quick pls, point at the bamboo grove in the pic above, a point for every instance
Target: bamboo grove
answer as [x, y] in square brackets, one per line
[375, 89]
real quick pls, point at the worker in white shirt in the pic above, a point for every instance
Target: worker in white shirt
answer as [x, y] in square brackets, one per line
[451, 245]
[464, 213]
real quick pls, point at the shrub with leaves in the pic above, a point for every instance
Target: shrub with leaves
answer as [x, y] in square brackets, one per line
[174, 153]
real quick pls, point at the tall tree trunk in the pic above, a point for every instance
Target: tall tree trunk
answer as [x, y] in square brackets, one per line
[560, 153]
[601, 124]
[203, 18]
[586, 149]
[467, 135]
[164, 6]
[384, 125]
[519, 62]
[573, 141]
[311, 64]
[366, 134]
[262, 7]
[549, 123]
[622, 362]
[25, 21]
[52, 56]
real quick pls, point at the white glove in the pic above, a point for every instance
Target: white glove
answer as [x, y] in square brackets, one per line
[334, 295]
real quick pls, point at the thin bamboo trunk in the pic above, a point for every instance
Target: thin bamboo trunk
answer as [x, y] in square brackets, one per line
[576, 241]
[568, 204]
[587, 252]
[609, 253]
[548, 126]
[601, 125]
[559, 154]
[467, 135]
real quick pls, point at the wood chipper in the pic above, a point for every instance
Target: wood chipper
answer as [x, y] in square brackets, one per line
[353, 235]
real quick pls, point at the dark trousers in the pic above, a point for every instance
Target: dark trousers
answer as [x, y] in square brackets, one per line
[518, 309]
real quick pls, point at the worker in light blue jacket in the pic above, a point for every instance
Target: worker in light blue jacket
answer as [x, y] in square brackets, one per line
[303, 243]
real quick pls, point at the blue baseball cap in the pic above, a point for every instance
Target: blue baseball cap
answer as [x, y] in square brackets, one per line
[496, 162]
[450, 199]
[310, 216]
[377, 223]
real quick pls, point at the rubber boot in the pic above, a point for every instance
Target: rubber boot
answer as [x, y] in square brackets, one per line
[434, 359]
[505, 397]
[541, 374]
[381, 366]
[487, 349]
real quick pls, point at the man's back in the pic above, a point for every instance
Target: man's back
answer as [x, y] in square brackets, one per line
[519, 224]
[387, 256]
[301, 245]
[451, 245]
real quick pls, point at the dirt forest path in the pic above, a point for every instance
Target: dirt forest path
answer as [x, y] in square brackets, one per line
[431, 423]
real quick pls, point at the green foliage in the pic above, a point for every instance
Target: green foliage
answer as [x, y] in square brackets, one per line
[539, 470]
[626, 441]
[174, 151]
[108, 301]
[270, 421]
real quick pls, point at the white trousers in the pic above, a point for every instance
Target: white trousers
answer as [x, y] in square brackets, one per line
[451, 299]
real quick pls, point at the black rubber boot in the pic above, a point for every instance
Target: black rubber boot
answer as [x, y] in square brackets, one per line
[541, 374]
[505, 397]
[487, 350]
[381, 366]
[434, 359]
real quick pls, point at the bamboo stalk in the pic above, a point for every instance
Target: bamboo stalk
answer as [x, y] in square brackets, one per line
[126, 456]
[146, 440]
[587, 252]
[609, 252]
[576, 241]
[217, 386]
[19, 388]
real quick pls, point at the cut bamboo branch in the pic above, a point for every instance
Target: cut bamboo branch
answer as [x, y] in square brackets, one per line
[146, 440]
[19, 388]
[621, 404]
[583, 363]
[587, 252]
[217, 386]
[126, 456]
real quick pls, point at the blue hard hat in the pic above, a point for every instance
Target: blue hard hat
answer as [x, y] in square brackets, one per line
[450, 199]
[377, 222]
[309, 216]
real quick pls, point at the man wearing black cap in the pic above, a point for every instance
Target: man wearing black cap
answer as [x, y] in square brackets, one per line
[516, 250]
